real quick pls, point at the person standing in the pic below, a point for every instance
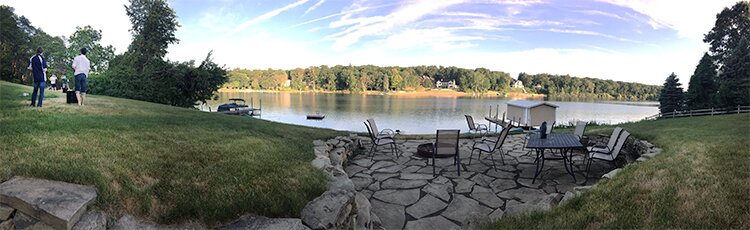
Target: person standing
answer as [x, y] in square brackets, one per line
[38, 67]
[52, 81]
[81, 67]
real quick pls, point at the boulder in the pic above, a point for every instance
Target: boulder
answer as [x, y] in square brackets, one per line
[327, 210]
[363, 212]
[5, 212]
[58, 204]
[321, 162]
[92, 220]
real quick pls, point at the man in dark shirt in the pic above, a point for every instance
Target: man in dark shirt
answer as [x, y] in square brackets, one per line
[38, 67]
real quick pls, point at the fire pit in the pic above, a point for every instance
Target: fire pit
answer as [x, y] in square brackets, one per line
[425, 151]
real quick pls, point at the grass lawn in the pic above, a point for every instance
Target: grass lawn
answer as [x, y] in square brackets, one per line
[160, 162]
[702, 180]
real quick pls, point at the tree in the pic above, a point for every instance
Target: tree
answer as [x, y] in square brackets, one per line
[671, 97]
[142, 74]
[89, 38]
[732, 24]
[702, 86]
[734, 86]
[297, 76]
[153, 27]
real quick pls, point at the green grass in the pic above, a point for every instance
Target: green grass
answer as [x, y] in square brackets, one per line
[702, 180]
[160, 162]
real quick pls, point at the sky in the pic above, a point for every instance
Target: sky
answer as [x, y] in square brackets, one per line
[626, 40]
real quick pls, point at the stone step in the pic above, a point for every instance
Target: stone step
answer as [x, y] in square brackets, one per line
[57, 204]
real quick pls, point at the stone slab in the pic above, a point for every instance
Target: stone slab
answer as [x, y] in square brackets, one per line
[462, 209]
[442, 191]
[426, 206]
[58, 204]
[392, 216]
[325, 210]
[265, 223]
[486, 197]
[400, 197]
[394, 183]
[436, 222]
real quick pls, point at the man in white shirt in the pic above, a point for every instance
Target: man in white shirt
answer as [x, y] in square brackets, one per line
[52, 81]
[81, 67]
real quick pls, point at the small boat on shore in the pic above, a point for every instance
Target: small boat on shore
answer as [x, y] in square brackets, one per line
[316, 116]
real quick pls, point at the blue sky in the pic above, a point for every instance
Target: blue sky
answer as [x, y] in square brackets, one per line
[627, 40]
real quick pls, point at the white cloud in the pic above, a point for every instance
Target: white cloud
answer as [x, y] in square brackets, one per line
[263, 17]
[367, 26]
[60, 18]
[320, 2]
[436, 39]
[690, 19]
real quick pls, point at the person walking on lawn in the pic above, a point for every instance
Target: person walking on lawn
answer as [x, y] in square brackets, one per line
[38, 67]
[81, 67]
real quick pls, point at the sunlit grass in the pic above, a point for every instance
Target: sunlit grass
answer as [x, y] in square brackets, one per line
[702, 180]
[161, 162]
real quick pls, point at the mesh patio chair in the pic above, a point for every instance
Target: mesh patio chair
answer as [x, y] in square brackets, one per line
[490, 147]
[475, 127]
[610, 155]
[446, 143]
[379, 141]
[610, 144]
[385, 133]
[580, 129]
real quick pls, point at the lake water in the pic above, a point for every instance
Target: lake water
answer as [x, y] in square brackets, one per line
[415, 115]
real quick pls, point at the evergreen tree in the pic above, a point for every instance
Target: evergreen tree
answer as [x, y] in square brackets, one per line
[671, 97]
[734, 87]
[702, 87]
[732, 24]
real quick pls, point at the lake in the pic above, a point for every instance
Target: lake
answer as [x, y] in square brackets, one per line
[415, 115]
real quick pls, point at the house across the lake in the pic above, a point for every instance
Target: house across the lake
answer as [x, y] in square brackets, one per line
[517, 84]
[446, 84]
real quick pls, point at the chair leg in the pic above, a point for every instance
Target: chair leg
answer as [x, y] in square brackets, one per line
[502, 159]
[588, 166]
[472, 154]
[494, 166]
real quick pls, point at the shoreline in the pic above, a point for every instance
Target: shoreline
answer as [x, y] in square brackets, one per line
[445, 93]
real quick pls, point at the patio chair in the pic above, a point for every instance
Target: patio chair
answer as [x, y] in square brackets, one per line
[490, 147]
[580, 129]
[475, 127]
[610, 144]
[385, 133]
[446, 143]
[380, 141]
[610, 155]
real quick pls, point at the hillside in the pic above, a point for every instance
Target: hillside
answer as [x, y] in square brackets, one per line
[161, 162]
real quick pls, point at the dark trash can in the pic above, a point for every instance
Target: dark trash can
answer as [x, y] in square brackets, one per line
[71, 97]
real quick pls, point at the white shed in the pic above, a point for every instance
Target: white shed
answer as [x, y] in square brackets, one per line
[531, 113]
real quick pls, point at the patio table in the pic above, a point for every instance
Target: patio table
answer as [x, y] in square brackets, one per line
[560, 141]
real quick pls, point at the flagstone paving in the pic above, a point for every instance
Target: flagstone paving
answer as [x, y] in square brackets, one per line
[405, 194]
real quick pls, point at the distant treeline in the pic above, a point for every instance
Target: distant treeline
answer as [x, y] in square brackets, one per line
[567, 87]
[369, 77]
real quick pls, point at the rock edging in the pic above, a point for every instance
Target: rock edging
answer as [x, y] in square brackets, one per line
[340, 206]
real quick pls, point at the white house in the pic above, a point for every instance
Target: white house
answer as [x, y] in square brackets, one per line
[517, 84]
[446, 84]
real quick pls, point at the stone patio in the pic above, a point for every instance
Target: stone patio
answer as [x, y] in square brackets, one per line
[405, 194]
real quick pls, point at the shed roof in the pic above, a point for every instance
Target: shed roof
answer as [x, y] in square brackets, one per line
[529, 104]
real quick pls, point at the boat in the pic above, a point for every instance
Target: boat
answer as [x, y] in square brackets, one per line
[234, 107]
[316, 116]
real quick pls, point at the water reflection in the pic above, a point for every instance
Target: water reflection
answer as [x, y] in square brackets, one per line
[415, 115]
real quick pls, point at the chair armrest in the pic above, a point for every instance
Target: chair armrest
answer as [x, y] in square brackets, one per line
[387, 131]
